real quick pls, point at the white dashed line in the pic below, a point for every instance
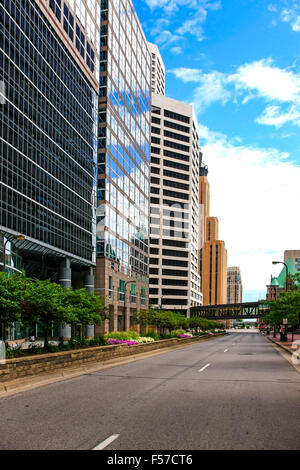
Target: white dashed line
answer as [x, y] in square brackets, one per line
[107, 441]
[203, 368]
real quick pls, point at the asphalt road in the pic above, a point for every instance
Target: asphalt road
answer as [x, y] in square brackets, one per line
[248, 397]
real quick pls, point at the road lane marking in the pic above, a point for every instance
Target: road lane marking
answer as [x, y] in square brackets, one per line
[107, 441]
[203, 368]
[226, 350]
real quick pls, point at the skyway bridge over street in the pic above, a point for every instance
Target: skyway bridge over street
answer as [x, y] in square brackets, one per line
[231, 311]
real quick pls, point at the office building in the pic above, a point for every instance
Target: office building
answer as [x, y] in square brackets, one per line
[50, 67]
[157, 70]
[174, 282]
[123, 164]
[212, 251]
[234, 285]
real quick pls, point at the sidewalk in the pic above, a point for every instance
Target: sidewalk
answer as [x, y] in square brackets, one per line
[289, 344]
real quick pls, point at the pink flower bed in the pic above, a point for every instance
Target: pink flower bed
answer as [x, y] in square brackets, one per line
[184, 336]
[120, 341]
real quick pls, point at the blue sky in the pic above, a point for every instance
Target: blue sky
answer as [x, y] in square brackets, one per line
[238, 62]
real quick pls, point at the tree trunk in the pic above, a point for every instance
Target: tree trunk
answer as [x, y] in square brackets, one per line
[4, 331]
[46, 338]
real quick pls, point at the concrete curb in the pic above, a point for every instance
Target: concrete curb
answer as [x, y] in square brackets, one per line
[284, 347]
[31, 382]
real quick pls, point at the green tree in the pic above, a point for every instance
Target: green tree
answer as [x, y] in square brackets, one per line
[287, 306]
[44, 302]
[86, 307]
[11, 296]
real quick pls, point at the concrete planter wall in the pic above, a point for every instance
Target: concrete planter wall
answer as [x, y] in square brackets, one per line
[34, 365]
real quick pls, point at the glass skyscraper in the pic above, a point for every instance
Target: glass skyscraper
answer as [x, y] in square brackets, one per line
[48, 135]
[123, 162]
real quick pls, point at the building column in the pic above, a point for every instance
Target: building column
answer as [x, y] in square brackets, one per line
[65, 279]
[89, 280]
[90, 331]
[113, 319]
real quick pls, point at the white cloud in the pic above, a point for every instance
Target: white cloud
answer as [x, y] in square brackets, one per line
[165, 38]
[257, 80]
[256, 222]
[176, 50]
[272, 7]
[187, 75]
[268, 81]
[274, 116]
[288, 15]
[195, 13]
[211, 89]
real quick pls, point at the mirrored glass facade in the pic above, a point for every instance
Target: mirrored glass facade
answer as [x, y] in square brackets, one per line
[48, 147]
[123, 139]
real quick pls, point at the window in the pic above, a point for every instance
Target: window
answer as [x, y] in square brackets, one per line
[176, 136]
[155, 120]
[174, 145]
[68, 22]
[80, 40]
[176, 126]
[143, 296]
[176, 184]
[174, 272]
[175, 194]
[133, 293]
[179, 156]
[55, 5]
[177, 165]
[181, 254]
[110, 294]
[174, 174]
[176, 116]
[174, 262]
[121, 290]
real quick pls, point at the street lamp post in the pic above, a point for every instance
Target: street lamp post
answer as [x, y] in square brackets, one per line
[124, 315]
[286, 280]
[3, 266]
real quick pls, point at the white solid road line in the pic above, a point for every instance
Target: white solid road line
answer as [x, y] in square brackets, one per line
[204, 368]
[107, 441]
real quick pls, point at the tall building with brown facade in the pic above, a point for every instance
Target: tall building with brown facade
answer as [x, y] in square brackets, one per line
[212, 251]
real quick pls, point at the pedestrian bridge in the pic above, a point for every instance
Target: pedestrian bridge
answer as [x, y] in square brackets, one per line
[231, 311]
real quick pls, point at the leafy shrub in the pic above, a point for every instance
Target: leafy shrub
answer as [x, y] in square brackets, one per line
[34, 349]
[18, 352]
[152, 334]
[97, 341]
[51, 349]
[122, 335]
[166, 336]
[175, 333]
